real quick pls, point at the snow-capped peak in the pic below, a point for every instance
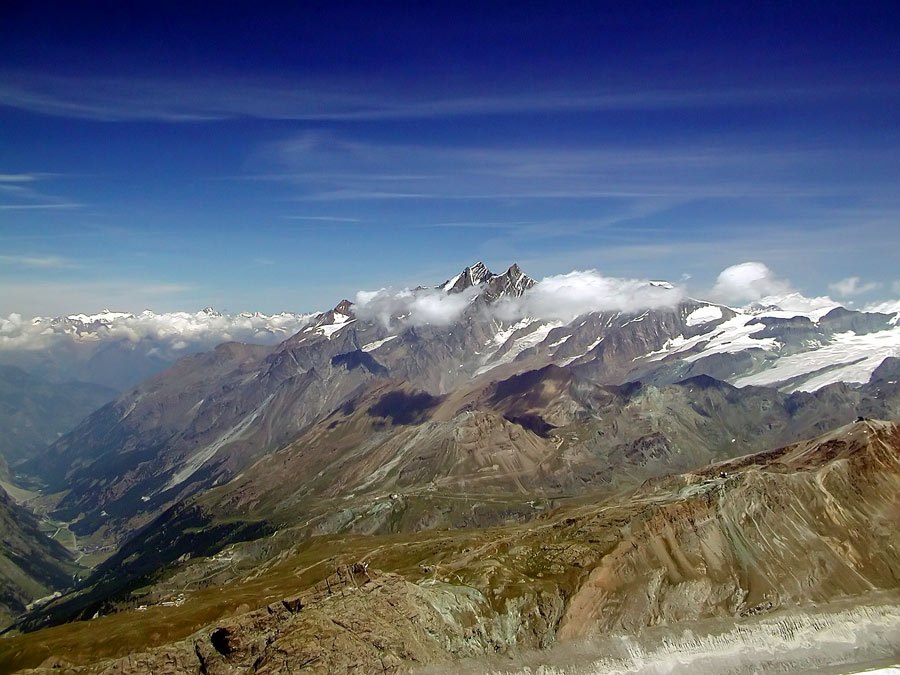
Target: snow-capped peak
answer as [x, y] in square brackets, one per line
[105, 316]
[202, 329]
[344, 307]
[473, 275]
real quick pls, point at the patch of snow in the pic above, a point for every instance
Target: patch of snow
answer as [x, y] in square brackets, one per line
[728, 337]
[340, 321]
[106, 316]
[501, 337]
[450, 284]
[593, 344]
[372, 346]
[520, 344]
[560, 341]
[855, 358]
[587, 351]
[703, 315]
[636, 319]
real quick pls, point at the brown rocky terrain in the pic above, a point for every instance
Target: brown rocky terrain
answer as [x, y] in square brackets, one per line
[777, 531]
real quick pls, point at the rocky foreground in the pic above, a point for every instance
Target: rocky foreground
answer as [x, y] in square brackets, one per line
[777, 534]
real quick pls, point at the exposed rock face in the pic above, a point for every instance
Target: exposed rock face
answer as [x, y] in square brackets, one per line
[355, 621]
[366, 622]
[813, 522]
[472, 275]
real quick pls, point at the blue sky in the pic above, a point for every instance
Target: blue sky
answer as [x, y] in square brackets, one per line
[174, 155]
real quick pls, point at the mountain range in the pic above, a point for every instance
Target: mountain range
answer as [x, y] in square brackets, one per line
[35, 412]
[488, 401]
[120, 349]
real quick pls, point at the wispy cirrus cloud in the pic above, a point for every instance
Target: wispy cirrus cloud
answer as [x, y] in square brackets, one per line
[600, 203]
[325, 167]
[231, 96]
[40, 207]
[324, 219]
[20, 187]
[19, 177]
[37, 261]
[851, 286]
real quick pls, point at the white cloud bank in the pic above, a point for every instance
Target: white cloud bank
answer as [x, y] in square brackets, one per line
[559, 297]
[846, 288]
[413, 307]
[565, 296]
[754, 283]
[748, 282]
[170, 333]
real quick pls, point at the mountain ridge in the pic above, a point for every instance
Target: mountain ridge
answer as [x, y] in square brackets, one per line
[211, 415]
[369, 419]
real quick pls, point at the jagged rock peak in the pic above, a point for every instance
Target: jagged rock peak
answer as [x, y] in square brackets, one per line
[342, 312]
[517, 281]
[514, 282]
[344, 307]
[471, 276]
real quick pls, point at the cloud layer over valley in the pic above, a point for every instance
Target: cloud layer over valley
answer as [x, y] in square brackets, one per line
[174, 331]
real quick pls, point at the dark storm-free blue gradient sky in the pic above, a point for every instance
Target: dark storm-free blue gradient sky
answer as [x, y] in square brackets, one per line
[262, 156]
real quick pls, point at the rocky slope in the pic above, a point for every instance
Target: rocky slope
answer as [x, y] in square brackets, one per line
[204, 420]
[32, 565]
[34, 412]
[809, 524]
[368, 421]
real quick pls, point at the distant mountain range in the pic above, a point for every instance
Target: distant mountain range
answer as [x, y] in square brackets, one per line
[119, 349]
[480, 401]
[35, 412]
